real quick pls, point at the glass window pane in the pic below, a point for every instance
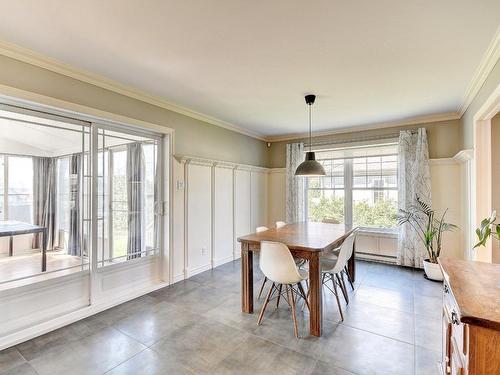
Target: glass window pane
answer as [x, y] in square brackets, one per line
[326, 205]
[375, 208]
[20, 189]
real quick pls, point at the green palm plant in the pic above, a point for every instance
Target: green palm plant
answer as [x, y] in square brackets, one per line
[488, 228]
[422, 218]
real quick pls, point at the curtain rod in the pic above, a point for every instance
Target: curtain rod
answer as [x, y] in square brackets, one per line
[358, 139]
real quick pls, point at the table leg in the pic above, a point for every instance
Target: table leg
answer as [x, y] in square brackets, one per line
[246, 279]
[11, 246]
[315, 295]
[44, 250]
[351, 263]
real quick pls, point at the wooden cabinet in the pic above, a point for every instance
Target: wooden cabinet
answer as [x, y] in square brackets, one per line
[471, 318]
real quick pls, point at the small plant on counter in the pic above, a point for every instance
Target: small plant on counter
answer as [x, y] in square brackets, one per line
[488, 228]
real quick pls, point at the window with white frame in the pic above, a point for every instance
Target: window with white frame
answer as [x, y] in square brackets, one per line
[360, 187]
[16, 188]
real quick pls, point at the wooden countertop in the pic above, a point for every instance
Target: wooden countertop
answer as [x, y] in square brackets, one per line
[476, 289]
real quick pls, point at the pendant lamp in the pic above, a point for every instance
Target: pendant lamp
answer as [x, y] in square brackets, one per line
[310, 167]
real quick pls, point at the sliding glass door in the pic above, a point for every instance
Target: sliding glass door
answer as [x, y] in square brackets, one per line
[91, 189]
[128, 195]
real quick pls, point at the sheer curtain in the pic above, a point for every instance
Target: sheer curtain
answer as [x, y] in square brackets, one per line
[413, 180]
[136, 171]
[294, 203]
[44, 198]
[75, 186]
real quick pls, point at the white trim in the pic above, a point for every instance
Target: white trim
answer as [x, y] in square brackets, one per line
[443, 161]
[19, 53]
[196, 270]
[61, 321]
[349, 129]
[219, 262]
[464, 155]
[488, 62]
[196, 160]
[28, 56]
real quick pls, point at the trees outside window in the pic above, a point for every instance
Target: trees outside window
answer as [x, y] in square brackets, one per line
[358, 190]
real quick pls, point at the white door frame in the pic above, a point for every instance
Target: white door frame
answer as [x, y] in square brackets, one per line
[481, 176]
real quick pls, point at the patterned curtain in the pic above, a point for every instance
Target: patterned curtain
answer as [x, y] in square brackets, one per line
[294, 185]
[136, 169]
[414, 180]
[44, 198]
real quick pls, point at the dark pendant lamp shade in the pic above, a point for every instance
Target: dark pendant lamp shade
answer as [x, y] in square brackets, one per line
[310, 167]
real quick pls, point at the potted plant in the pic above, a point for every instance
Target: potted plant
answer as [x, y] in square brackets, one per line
[422, 218]
[487, 229]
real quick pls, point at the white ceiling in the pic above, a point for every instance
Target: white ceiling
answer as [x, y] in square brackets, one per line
[250, 63]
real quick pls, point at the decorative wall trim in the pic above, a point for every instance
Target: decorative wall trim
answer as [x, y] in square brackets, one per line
[464, 155]
[488, 62]
[218, 163]
[442, 161]
[380, 125]
[28, 56]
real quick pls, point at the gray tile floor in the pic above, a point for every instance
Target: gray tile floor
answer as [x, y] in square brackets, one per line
[392, 326]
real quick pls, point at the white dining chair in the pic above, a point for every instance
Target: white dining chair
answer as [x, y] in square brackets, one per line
[280, 224]
[259, 230]
[278, 265]
[333, 270]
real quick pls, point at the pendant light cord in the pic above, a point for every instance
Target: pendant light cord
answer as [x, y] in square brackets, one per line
[310, 105]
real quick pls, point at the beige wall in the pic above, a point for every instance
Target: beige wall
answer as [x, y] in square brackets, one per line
[444, 140]
[466, 121]
[192, 137]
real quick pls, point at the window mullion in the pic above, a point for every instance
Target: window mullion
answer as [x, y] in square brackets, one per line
[348, 182]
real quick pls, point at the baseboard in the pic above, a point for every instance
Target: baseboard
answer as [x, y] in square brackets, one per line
[74, 316]
[194, 271]
[219, 262]
[178, 278]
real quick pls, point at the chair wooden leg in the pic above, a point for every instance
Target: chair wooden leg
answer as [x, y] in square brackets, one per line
[349, 278]
[261, 315]
[339, 280]
[294, 315]
[303, 293]
[279, 296]
[262, 287]
[337, 296]
[346, 295]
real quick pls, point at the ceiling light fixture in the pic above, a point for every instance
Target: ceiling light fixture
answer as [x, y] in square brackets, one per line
[310, 167]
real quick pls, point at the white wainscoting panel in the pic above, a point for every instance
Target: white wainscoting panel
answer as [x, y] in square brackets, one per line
[242, 207]
[223, 216]
[199, 218]
[178, 258]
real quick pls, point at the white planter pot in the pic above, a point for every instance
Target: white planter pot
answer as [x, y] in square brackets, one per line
[433, 271]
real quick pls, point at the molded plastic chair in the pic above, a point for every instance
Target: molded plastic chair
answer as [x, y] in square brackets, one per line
[278, 265]
[280, 224]
[333, 270]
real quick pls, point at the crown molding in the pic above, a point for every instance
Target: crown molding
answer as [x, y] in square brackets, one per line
[464, 155]
[410, 121]
[488, 62]
[33, 58]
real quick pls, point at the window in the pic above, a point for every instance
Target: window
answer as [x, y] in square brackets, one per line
[16, 188]
[127, 217]
[359, 188]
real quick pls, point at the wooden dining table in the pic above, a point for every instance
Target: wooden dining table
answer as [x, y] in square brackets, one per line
[306, 240]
